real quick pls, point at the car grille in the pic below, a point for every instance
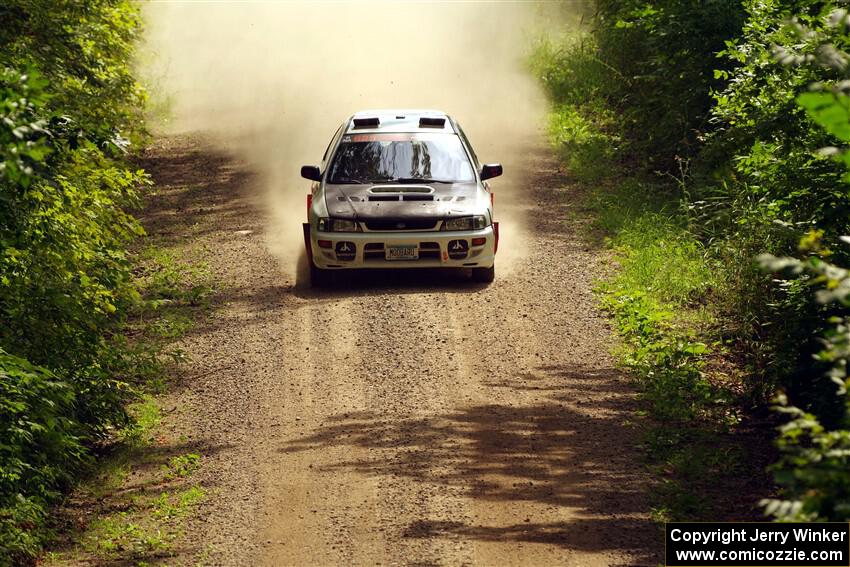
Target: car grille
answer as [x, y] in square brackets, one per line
[401, 224]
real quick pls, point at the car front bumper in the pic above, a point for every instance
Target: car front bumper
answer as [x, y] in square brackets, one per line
[332, 250]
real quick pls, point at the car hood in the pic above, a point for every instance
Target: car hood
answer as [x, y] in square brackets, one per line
[373, 201]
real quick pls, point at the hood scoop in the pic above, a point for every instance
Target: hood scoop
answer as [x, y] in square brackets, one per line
[401, 193]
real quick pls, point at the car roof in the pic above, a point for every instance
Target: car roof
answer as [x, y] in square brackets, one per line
[400, 120]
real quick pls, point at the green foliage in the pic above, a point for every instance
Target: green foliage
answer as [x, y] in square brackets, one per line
[696, 103]
[174, 506]
[687, 412]
[146, 416]
[830, 111]
[167, 281]
[146, 530]
[706, 94]
[116, 534]
[571, 71]
[766, 146]
[39, 448]
[584, 146]
[662, 259]
[583, 129]
[656, 254]
[814, 469]
[763, 182]
[124, 524]
[815, 465]
[663, 53]
[668, 362]
[68, 107]
[62, 230]
[23, 139]
[183, 465]
[84, 50]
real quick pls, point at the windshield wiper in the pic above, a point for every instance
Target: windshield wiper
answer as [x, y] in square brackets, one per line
[346, 181]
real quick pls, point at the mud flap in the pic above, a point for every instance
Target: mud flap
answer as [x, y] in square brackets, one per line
[307, 244]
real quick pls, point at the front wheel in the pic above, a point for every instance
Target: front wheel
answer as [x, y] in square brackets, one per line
[484, 275]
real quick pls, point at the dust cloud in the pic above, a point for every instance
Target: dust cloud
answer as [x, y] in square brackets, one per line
[273, 81]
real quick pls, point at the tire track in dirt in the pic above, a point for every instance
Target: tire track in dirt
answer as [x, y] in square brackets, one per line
[408, 418]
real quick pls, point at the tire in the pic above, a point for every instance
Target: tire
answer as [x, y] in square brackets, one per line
[484, 275]
[320, 278]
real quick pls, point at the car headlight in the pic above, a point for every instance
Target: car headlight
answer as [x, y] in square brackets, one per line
[338, 225]
[465, 223]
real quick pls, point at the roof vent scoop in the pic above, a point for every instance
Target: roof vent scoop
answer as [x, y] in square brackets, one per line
[432, 122]
[366, 122]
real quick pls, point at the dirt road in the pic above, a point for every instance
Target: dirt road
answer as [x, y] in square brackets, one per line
[411, 418]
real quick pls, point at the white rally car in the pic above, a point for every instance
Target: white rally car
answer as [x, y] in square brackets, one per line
[400, 189]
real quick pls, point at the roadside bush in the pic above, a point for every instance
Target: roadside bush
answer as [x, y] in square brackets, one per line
[814, 470]
[64, 277]
[699, 105]
[815, 443]
[763, 185]
[69, 107]
[84, 50]
[663, 54]
[581, 126]
[571, 71]
[582, 142]
[39, 450]
[704, 94]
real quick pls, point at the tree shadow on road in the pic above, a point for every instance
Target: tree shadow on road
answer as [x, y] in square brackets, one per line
[199, 190]
[576, 456]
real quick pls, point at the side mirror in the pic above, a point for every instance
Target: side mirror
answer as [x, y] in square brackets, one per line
[491, 170]
[311, 172]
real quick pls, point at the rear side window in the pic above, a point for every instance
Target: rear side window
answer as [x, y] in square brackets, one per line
[407, 157]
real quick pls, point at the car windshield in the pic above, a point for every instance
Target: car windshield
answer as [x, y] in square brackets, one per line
[402, 158]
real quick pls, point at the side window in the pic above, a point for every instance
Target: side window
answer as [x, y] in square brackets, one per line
[468, 145]
[331, 143]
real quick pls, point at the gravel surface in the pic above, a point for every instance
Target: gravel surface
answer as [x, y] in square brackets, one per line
[402, 418]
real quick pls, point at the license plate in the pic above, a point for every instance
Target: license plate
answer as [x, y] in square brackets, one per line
[408, 252]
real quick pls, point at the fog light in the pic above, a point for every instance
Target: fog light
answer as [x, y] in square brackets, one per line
[458, 249]
[345, 250]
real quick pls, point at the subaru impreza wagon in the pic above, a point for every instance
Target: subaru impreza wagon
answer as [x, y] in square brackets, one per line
[400, 189]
